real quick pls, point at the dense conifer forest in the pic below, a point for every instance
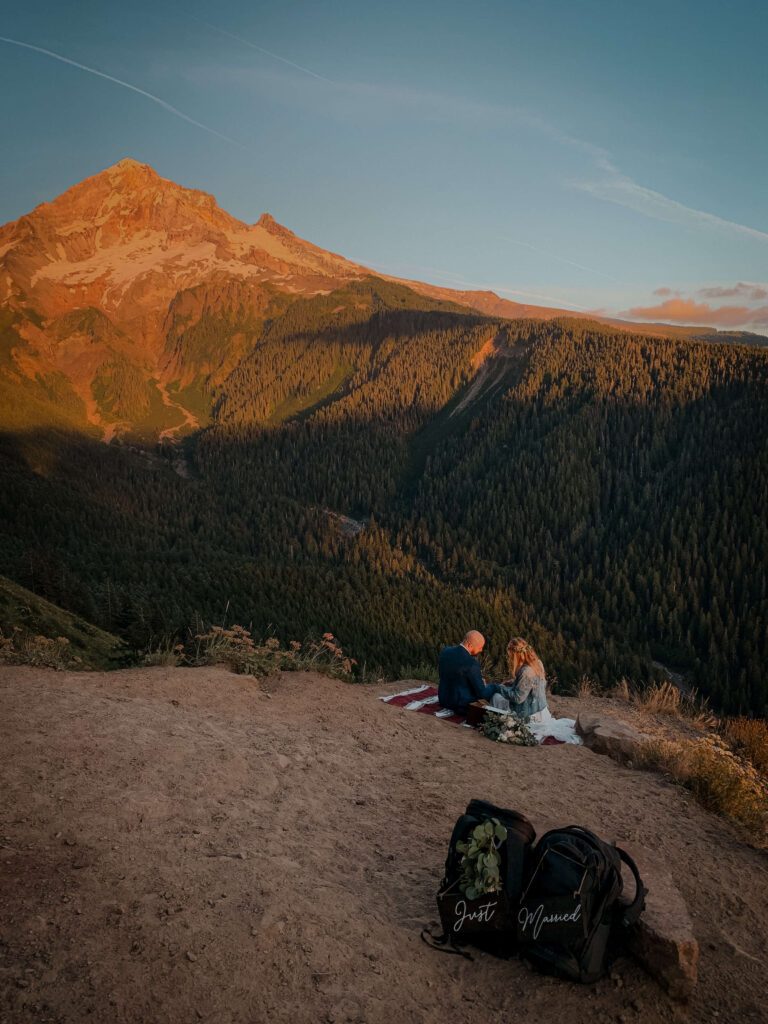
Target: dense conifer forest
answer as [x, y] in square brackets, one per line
[602, 492]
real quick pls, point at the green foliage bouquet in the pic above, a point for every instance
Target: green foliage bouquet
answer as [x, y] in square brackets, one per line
[508, 728]
[481, 860]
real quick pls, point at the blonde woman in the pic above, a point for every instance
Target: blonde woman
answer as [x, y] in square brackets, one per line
[526, 692]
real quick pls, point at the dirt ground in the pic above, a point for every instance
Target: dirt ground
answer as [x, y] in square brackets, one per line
[182, 845]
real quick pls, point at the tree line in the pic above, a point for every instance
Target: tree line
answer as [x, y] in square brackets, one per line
[605, 496]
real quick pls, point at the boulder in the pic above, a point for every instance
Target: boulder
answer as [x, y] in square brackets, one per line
[606, 735]
[663, 940]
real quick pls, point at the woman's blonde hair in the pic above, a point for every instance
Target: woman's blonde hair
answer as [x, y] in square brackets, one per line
[520, 652]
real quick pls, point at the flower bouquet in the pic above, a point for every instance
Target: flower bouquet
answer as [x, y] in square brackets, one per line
[508, 728]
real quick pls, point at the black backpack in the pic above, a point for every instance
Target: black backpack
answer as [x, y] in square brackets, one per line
[488, 921]
[570, 917]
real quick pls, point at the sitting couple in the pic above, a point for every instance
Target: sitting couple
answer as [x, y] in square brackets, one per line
[461, 681]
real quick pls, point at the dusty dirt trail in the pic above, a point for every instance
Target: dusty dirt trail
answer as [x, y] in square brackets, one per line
[183, 845]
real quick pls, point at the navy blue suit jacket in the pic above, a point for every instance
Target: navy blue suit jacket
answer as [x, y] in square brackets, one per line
[461, 680]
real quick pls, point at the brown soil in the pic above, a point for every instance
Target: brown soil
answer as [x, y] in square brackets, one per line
[186, 844]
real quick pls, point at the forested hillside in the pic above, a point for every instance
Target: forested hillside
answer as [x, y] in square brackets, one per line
[599, 491]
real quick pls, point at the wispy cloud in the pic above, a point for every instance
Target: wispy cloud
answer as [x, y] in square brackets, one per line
[604, 182]
[126, 85]
[744, 290]
[687, 311]
[260, 49]
[615, 187]
[612, 185]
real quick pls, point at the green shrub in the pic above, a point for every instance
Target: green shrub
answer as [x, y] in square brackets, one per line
[25, 648]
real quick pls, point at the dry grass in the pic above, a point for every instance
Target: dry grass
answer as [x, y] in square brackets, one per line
[164, 654]
[667, 699]
[720, 780]
[234, 646]
[749, 736]
[728, 773]
[660, 699]
[622, 690]
[586, 687]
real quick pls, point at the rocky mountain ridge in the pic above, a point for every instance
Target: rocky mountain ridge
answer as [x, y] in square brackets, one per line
[126, 241]
[109, 295]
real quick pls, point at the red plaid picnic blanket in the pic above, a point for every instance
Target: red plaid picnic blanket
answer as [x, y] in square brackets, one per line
[424, 699]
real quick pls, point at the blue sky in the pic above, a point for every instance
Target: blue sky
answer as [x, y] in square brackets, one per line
[574, 153]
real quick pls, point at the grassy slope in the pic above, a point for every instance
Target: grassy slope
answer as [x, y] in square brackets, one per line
[34, 616]
[25, 403]
[331, 388]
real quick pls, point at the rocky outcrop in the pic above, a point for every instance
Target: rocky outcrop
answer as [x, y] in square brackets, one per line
[663, 939]
[606, 735]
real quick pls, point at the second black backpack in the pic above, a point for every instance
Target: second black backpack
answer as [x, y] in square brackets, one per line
[570, 913]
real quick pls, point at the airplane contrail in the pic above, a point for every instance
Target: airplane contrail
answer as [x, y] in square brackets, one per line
[253, 46]
[126, 85]
[562, 259]
[537, 295]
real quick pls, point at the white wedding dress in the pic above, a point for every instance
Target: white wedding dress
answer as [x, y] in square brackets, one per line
[542, 724]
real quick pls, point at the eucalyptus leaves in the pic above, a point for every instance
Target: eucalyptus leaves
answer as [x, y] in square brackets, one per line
[481, 859]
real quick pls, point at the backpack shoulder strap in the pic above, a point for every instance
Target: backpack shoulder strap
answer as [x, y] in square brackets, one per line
[443, 944]
[632, 911]
[583, 833]
[484, 809]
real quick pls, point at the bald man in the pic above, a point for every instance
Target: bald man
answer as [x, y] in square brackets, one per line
[461, 680]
